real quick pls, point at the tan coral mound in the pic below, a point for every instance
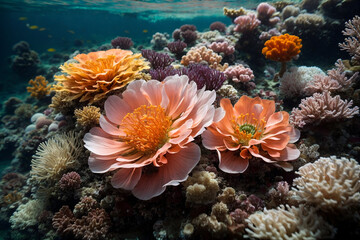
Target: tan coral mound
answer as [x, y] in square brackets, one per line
[288, 223]
[54, 156]
[88, 116]
[98, 73]
[202, 54]
[330, 183]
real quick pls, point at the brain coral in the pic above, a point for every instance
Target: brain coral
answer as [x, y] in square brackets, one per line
[330, 183]
[290, 223]
[98, 73]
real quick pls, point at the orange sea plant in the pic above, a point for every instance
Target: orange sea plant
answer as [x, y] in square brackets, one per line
[252, 129]
[96, 74]
[282, 49]
[39, 87]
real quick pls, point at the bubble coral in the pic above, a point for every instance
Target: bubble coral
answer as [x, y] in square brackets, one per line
[98, 73]
[252, 128]
[147, 135]
[122, 43]
[282, 49]
[330, 183]
[39, 87]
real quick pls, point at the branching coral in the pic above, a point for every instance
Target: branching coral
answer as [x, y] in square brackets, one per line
[282, 49]
[201, 187]
[246, 23]
[70, 181]
[288, 223]
[330, 183]
[222, 47]
[26, 214]
[88, 116]
[157, 60]
[250, 129]
[322, 107]
[122, 43]
[54, 156]
[202, 54]
[39, 87]
[233, 13]
[352, 42]
[98, 73]
[239, 73]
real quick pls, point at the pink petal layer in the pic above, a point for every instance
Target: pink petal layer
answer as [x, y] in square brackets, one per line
[126, 178]
[231, 162]
[103, 146]
[116, 109]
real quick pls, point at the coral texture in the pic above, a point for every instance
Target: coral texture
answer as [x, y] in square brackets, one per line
[88, 116]
[234, 13]
[98, 73]
[148, 157]
[159, 40]
[177, 47]
[246, 23]
[282, 48]
[239, 73]
[26, 214]
[250, 129]
[122, 43]
[39, 87]
[54, 156]
[352, 42]
[330, 183]
[202, 54]
[322, 107]
[222, 47]
[157, 60]
[288, 223]
[221, 27]
[265, 14]
[70, 181]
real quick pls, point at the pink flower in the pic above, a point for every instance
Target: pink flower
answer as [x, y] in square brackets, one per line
[250, 129]
[147, 134]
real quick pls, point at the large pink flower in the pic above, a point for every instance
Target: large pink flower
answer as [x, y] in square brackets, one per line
[250, 129]
[147, 134]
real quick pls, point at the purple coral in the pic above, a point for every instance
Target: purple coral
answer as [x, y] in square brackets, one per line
[157, 60]
[204, 76]
[177, 47]
[246, 23]
[187, 27]
[122, 43]
[322, 107]
[161, 73]
[70, 181]
[189, 36]
[221, 27]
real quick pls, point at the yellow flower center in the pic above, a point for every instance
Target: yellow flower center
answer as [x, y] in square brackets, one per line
[146, 128]
[247, 127]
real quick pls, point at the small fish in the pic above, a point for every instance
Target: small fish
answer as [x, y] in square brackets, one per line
[22, 18]
[42, 29]
[51, 50]
[71, 31]
[126, 31]
[33, 27]
[145, 31]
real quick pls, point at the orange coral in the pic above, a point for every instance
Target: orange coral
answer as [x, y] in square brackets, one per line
[98, 73]
[282, 48]
[40, 87]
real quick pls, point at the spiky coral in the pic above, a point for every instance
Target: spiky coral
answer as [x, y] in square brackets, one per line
[55, 156]
[87, 116]
[39, 87]
[352, 42]
[98, 73]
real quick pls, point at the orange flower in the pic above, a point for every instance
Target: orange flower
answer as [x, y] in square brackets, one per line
[282, 48]
[39, 87]
[147, 134]
[98, 73]
[250, 129]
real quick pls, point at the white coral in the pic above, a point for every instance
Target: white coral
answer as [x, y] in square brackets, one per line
[26, 215]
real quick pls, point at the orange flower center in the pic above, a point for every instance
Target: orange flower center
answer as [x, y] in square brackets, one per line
[146, 128]
[247, 127]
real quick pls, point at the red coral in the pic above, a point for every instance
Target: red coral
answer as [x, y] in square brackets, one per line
[70, 181]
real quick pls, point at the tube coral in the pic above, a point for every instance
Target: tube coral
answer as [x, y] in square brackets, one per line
[252, 128]
[147, 135]
[98, 73]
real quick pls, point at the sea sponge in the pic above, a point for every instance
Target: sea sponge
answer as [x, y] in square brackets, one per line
[282, 48]
[288, 223]
[329, 183]
[201, 187]
[98, 73]
[26, 215]
[202, 54]
[54, 156]
[39, 87]
[88, 116]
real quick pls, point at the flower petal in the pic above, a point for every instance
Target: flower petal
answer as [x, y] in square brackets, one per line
[126, 178]
[103, 146]
[109, 127]
[116, 109]
[231, 162]
[101, 166]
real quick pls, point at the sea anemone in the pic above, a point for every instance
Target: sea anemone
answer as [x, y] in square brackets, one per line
[250, 129]
[147, 134]
[98, 73]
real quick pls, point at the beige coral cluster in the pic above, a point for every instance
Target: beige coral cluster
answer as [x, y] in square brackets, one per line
[330, 183]
[288, 223]
[201, 187]
[87, 116]
[233, 13]
[200, 55]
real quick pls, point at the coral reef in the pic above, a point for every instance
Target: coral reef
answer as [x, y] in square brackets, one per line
[246, 23]
[202, 54]
[157, 60]
[39, 87]
[159, 41]
[122, 42]
[239, 73]
[219, 26]
[88, 116]
[352, 41]
[177, 47]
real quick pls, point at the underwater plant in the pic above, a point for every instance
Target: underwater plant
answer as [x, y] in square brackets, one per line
[147, 134]
[282, 49]
[98, 73]
[39, 87]
[250, 129]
